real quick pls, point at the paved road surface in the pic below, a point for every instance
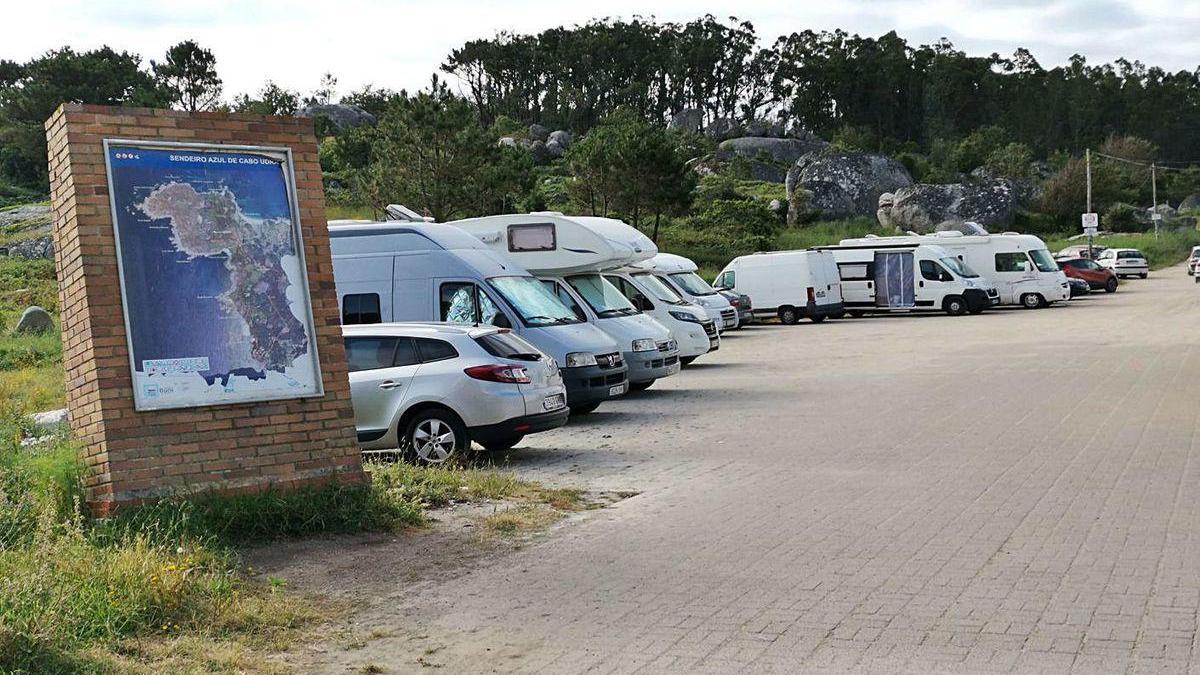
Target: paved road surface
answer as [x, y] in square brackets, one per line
[1013, 491]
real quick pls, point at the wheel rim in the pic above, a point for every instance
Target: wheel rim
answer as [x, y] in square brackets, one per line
[433, 440]
[1031, 301]
[955, 306]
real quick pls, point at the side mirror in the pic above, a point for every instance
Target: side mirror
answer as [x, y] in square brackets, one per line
[1026, 267]
[642, 303]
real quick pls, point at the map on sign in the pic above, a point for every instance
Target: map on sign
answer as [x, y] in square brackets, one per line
[212, 275]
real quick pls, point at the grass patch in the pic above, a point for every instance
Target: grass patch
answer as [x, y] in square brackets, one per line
[159, 588]
[1170, 248]
[30, 351]
[519, 519]
[343, 212]
[34, 389]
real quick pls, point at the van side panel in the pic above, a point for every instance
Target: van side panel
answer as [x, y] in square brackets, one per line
[365, 276]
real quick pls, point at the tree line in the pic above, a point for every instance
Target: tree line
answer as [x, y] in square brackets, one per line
[829, 82]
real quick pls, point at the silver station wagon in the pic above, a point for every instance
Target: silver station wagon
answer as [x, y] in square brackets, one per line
[430, 389]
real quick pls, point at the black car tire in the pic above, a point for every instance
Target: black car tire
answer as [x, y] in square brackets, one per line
[435, 420]
[1143, 276]
[955, 305]
[686, 360]
[1032, 301]
[584, 408]
[1110, 286]
[789, 315]
[641, 386]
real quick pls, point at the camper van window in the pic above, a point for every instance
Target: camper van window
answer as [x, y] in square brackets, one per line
[932, 271]
[855, 271]
[1011, 262]
[692, 283]
[727, 279]
[566, 299]
[534, 303]
[603, 297]
[458, 303]
[370, 353]
[360, 308]
[659, 288]
[633, 293]
[533, 237]
[960, 268]
[1043, 260]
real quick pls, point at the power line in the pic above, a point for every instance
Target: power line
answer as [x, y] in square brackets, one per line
[1148, 165]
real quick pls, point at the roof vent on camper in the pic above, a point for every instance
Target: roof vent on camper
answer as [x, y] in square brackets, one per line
[401, 213]
[949, 233]
[545, 213]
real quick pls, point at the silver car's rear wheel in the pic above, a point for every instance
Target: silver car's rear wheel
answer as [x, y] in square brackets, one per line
[434, 437]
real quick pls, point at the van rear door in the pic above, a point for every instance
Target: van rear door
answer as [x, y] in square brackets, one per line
[825, 274]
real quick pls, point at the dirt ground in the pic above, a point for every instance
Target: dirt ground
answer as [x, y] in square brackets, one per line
[1018, 490]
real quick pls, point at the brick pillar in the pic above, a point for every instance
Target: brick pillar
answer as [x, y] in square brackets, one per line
[137, 456]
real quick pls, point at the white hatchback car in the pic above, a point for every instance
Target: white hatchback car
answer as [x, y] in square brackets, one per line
[430, 389]
[1126, 262]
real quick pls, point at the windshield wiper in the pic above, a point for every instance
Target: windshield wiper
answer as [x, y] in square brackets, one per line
[550, 319]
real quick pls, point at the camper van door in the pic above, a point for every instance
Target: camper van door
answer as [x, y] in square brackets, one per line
[894, 279]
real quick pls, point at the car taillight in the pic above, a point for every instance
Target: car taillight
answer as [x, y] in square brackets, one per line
[812, 296]
[499, 373]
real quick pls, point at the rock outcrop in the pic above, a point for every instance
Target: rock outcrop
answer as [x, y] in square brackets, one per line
[341, 115]
[34, 320]
[538, 132]
[782, 150]
[925, 208]
[688, 119]
[1190, 203]
[846, 184]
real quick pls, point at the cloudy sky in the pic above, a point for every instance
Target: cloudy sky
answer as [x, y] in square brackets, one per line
[398, 44]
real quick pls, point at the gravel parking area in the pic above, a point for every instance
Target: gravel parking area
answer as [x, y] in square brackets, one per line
[1018, 490]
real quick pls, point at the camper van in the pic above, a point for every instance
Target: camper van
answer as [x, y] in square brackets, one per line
[1019, 265]
[787, 284]
[680, 273]
[393, 271]
[693, 331]
[568, 253]
[890, 277]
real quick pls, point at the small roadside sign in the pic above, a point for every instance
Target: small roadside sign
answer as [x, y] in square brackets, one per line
[1156, 216]
[1091, 221]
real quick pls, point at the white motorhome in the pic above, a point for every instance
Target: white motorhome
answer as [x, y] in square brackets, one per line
[418, 271]
[787, 284]
[889, 277]
[694, 332]
[680, 273]
[568, 253]
[1019, 265]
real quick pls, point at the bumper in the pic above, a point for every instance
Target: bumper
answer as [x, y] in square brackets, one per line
[745, 317]
[833, 309]
[649, 366]
[729, 319]
[589, 384]
[1131, 271]
[978, 300]
[519, 426]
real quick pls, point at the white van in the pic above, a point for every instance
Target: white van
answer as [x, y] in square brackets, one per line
[906, 277]
[680, 273]
[568, 253]
[1019, 265]
[694, 332]
[787, 284]
[418, 271]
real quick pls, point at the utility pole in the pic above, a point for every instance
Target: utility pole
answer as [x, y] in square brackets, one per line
[1154, 198]
[1088, 163]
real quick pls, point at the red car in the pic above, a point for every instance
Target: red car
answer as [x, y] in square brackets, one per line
[1090, 271]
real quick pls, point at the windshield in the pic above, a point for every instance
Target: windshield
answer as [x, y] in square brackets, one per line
[658, 288]
[692, 283]
[606, 300]
[530, 299]
[1125, 255]
[1043, 260]
[959, 267]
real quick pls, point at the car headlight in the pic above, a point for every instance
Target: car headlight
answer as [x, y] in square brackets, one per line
[684, 316]
[577, 359]
[644, 345]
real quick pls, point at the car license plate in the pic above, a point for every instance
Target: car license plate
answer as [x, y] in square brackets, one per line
[617, 390]
[713, 342]
[554, 402]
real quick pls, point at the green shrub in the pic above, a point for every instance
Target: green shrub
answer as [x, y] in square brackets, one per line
[1122, 217]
